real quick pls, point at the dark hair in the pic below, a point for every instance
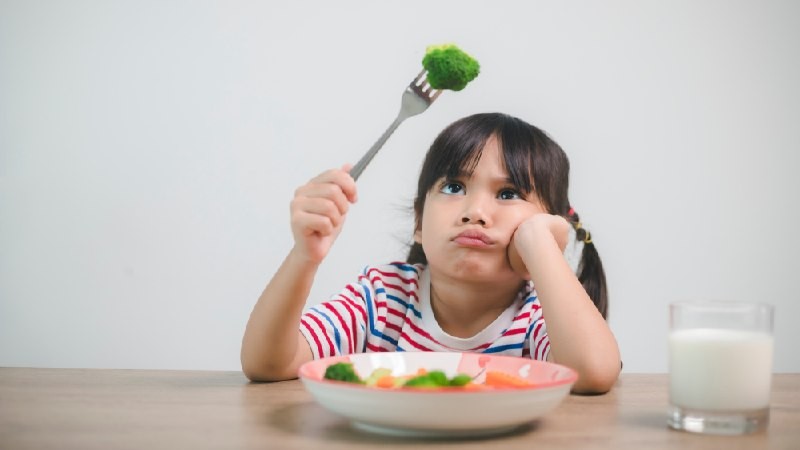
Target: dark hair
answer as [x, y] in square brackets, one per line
[535, 163]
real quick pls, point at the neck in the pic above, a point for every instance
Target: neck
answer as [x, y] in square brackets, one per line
[464, 309]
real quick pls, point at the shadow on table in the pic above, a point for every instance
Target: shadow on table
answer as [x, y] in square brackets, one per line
[311, 420]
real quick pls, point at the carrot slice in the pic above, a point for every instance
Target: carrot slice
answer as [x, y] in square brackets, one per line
[386, 381]
[501, 379]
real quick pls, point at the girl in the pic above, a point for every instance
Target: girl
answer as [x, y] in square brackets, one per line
[497, 250]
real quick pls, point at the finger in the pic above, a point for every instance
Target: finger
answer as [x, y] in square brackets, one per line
[324, 191]
[308, 224]
[347, 183]
[322, 207]
[343, 179]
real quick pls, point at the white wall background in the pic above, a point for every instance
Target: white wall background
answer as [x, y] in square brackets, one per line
[149, 150]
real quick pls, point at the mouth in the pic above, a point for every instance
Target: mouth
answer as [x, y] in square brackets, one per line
[473, 238]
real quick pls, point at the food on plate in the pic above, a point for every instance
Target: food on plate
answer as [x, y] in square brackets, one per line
[382, 378]
[342, 372]
[449, 67]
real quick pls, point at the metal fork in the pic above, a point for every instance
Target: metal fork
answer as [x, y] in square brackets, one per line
[417, 97]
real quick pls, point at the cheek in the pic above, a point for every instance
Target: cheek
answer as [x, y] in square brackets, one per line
[521, 214]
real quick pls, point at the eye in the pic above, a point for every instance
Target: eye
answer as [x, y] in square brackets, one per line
[452, 187]
[509, 194]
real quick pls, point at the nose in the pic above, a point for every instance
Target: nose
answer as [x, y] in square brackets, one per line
[475, 211]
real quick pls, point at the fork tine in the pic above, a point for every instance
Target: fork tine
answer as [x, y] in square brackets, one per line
[421, 78]
[421, 86]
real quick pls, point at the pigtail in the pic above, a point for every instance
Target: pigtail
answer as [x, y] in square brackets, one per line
[590, 271]
[416, 255]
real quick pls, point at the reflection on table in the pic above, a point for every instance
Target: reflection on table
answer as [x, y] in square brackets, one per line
[107, 409]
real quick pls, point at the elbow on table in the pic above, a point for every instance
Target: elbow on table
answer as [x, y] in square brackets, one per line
[266, 372]
[596, 380]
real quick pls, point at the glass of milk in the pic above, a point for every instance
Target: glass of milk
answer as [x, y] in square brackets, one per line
[720, 366]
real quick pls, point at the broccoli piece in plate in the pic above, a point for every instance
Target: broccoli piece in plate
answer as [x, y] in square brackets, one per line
[432, 379]
[342, 371]
[449, 67]
[460, 380]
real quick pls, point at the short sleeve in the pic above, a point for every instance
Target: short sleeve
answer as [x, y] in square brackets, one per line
[337, 327]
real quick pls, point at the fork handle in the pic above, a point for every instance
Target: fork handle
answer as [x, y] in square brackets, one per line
[355, 172]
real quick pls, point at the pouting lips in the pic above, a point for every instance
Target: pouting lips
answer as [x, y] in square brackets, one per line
[473, 238]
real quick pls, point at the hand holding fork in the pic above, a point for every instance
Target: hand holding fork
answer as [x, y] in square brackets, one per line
[417, 97]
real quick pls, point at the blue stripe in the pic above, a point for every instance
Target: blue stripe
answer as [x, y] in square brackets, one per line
[503, 348]
[386, 338]
[363, 347]
[530, 330]
[371, 313]
[405, 304]
[336, 337]
[406, 267]
[370, 308]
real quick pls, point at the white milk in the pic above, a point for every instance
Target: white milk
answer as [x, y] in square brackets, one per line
[720, 369]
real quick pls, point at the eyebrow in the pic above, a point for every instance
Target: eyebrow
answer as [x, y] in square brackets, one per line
[464, 174]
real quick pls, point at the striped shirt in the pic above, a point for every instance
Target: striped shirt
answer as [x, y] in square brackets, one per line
[389, 309]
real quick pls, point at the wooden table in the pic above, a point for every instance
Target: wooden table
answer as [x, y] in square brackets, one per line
[142, 409]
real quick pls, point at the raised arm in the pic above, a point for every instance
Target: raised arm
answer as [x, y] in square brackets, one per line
[579, 336]
[273, 348]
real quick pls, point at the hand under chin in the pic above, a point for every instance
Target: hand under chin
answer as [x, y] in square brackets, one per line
[517, 265]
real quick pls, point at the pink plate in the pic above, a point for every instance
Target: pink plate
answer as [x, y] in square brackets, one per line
[440, 412]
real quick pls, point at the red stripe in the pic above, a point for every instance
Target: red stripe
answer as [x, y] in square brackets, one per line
[524, 315]
[396, 312]
[388, 325]
[313, 335]
[342, 322]
[327, 338]
[537, 327]
[375, 348]
[348, 305]
[400, 289]
[515, 331]
[355, 292]
[356, 305]
[421, 332]
[544, 351]
[480, 347]
[406, 337]
[411, 280]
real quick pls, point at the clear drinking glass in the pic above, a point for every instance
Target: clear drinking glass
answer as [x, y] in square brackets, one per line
[720, 366]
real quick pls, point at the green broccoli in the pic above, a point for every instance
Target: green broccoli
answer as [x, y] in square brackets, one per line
[449, 67]
[342, 371]
[432, 379]
[436, 379]
[460, 380]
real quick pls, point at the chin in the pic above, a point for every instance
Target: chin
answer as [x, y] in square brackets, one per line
[481, 270]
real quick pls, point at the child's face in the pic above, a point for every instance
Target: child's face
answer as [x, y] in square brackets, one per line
[468, 222]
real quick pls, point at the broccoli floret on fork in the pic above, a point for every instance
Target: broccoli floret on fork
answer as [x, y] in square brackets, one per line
[449, 67]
